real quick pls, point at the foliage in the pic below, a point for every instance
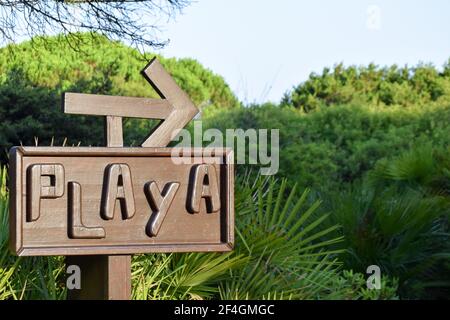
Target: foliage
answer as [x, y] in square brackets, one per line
[423, 167]
[372, 85]
[280, 253]
[350, 286]
[34, 75]
[288, 257]
[181, 276]
[25, 278]
[133, 21]
[383, 174]
[331, 146]
[368, 147]
[158, 276]
[398, 219]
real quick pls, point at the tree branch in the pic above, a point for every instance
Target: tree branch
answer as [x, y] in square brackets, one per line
[133, 21]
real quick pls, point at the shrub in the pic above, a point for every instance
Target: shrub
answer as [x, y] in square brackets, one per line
[397, 219]
[372, 85]
[350, 286]
[331, 146]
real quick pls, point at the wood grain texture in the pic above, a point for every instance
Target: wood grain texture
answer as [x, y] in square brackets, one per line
[118, 282]
[15, 200]
[179, 232]
[113, 131]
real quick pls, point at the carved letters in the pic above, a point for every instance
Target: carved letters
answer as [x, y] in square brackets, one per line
[160, 203]
[117, 186]
[47, 181]
[77, 230]
[205, 186]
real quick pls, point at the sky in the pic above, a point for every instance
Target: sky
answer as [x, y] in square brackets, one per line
[263, 48]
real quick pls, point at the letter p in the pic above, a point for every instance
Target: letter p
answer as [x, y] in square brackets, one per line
[44, 181]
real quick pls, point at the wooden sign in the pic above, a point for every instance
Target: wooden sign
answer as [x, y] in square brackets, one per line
[100, 205]
[77, 201]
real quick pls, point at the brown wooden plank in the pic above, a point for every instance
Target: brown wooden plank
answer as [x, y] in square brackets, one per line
[113, 131]
[125, 250]
[224, 153]
[109, 277]
[118, 277]
[104, 105]
[133, 152]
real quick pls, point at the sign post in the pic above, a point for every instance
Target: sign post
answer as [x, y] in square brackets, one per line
[99, 205]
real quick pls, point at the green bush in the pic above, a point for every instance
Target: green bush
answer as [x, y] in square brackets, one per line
[331, 146]
[277, 232]
[350, 286]
[372, 85]
[398, 219]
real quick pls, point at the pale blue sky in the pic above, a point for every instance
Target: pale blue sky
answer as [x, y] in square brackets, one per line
[264, 47]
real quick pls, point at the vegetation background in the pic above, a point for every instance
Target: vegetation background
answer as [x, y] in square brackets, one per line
[364, 176]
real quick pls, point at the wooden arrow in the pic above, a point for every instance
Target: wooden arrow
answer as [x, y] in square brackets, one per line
[174, 108]
[183, 108]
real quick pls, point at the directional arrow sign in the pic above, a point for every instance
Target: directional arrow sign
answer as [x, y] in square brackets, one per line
[174, 108]
[114, 200]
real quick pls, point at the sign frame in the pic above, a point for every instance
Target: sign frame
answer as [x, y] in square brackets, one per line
[17, 211]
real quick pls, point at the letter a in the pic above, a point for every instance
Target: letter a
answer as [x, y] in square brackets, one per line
[205, 185]
[117, 186]
[74, 280]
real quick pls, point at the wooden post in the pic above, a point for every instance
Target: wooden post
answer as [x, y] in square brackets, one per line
[104, 277]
